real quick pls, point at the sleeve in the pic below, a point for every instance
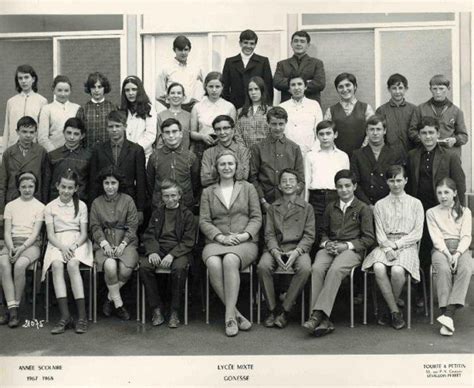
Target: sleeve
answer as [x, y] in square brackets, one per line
[271, 240]
[309, 233]
[415, 234]
[194, 170]
[95, 224]
[187, 241]
[3, 181]
[299, 165]
[205, 220]
[238, 130]
[208, 171]
[161, 84]
[280, 81]
[460, 131]
[323, 228]
[318, 82]
[268, 80]
[308, 175]
[148, 137]
[45, 178]
[360, 193]
[367, 237]
[379, 227]
[140, 178]
[435, 232]
[8, 212]
[255, 163]
[226, 92]
[466, 231]
[131, 221]
[83, 213]
[255, 213]
[243, 169]
[413, 127]
[456, 173]
[43, 129]
[6, 127]
[150, 175]
[48, 214]
[148, 238]
[233, 112]
[39, 216]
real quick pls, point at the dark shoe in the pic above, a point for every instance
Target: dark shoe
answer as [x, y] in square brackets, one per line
[243, 323]
[157, 319]
[313, 322]
[281, 320]
[14, 321]
[385, 319]
[108, 308]
[231, 328]
[397, 320]
[325, 327]
[81, 326]
[173, 323]
[269, 320]
[61, 326]
[4, 315]
[122, 313]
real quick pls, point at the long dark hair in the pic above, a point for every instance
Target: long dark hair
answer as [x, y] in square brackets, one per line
[71, 175]
[141, 106]
[457, 210]
[27, 69]
[248, 102]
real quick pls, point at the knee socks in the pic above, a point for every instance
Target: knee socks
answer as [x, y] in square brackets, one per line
[120, 284]
[81, 308]
[114, 291]
[63, 308]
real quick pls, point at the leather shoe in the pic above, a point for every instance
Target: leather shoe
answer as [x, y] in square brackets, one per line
[325, 327]
[281, 320]
[157, 319]
[397, 320]
[231, 328]
[14, 321]
[4, 315]
[269, 320]
[173, 322]
[313, 322]
[61, 326]
[122, 313]
[243, 323]
[81, 326]
[108, 308]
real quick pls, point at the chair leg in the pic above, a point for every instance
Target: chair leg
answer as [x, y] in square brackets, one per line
[374, 297]
[302, 307]
[431, 295]
[186, 299]
[90, 295]
[425, 298]
[207, 296]
[364, 316]
[409, 301]
[138, 296]
[259, 301]
[143, 305]
[251, 293]
[94, 268]
[352, 297]
[35, 267]
[46, 302]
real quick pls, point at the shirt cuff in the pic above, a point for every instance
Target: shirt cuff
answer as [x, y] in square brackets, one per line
[103, 243]
[350, 246]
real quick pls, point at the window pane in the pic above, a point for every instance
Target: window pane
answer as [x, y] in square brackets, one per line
[322, 19]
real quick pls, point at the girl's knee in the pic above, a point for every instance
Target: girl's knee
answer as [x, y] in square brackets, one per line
[231, 261]
[73, 265]
[398, 272]
[57, 265]
[379, 269]
[21, 264]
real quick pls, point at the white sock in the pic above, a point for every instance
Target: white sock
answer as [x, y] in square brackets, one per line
[114, 291]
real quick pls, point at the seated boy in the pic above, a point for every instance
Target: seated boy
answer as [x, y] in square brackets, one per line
[25, 155]
[347, 231]
[289, 236]
[321, 165]
[452, 129]
[72, 155]
[397, 113]
[169, 241]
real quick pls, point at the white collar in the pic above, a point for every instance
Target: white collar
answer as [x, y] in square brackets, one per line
[97, 102]
[345, 205]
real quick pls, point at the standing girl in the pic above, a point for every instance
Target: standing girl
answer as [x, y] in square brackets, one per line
[141, 116]
[450, 227]
[113, 224]
[66, 224]
[54, 115]
[23, 220]
[205, 111]
[26, 103]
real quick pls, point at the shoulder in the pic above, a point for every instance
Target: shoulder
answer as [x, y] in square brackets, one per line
[259, 58]
[466, 212]
[362, 206]
[82, 206]
[41, 99]
[39, 206]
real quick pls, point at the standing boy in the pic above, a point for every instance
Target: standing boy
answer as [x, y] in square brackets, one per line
[271, 156]
[239, 69]
[303, 114]
[397, 113]
[169, 241]
[311, 69]
[289, 236]
[347, 231]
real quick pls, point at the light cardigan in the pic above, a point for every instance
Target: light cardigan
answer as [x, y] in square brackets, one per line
[442, 225]
[18, 106]
[142, 131]
[51, 123]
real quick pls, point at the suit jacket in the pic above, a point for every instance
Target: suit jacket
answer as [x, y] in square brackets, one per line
[290, 227]
[131, 164]
[243, 214]
[446, 163]
[185, 229]
[311, 69]
[13, 162]
[370, 173]
[236, 78]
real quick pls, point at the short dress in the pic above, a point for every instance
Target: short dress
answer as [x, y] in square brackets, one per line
[67, 227]
[115, 220]
[23, 216]
[400, 219]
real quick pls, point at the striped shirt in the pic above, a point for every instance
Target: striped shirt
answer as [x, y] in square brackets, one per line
[252, 128]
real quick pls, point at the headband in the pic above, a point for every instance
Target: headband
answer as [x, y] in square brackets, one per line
[27, 175]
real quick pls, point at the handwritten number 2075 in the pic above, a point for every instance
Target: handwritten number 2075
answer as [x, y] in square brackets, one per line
[33, 323]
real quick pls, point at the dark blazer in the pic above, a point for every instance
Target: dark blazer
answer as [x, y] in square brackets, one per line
[185, 229]
[446, 163]
[370, 173]
[236, 78]
[312, 70]
[131, 164]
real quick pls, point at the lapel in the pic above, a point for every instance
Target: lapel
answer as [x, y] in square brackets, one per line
[436, 162]
[218, 194]
[235, 192]
[254, 61]
[293, 62]
[416, 166]
[107, 149]
[124, 152]
[369, 155]
[384, 155]
[238, 64]
[33, 155]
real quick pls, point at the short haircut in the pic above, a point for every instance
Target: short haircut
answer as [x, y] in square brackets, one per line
[277, 112]
[226, 152]
[172, 85]
[396, 79]
[301, 34]
[118, 116]
[110, 171]
[394, 170]
[170, 183]
[374, 120]
[211, 76]
[294, 75]
[95, 77]
[345, 174]
[27, 69]
[61, 78]
[288, 171]
[428, 121]
[26, 175]
[75, 122]
[220, 118]
[440, 79]
[169, 122]
[181, 42]
[27, 121]
[341, 77]
[325, 124]
[248, 35]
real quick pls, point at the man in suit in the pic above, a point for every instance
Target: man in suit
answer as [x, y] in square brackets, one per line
[128, 157]
[311, 69]
[239, 69]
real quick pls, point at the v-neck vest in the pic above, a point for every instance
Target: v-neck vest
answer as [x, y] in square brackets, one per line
[351, 129]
